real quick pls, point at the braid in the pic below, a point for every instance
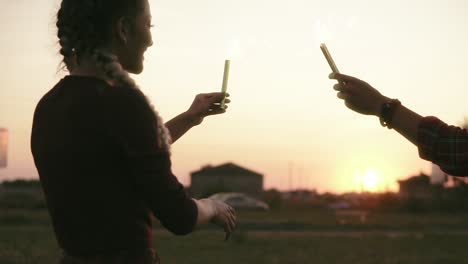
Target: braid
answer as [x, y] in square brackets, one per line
[83, 28]
[111, 66]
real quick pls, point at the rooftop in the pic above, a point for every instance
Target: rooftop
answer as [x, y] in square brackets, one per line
[225, 169]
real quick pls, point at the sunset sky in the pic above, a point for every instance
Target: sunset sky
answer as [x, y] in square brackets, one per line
[284, 119]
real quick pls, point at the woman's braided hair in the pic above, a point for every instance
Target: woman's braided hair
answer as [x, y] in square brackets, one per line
[85, 27]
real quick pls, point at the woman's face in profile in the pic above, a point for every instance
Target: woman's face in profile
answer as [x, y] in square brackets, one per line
[138, 41]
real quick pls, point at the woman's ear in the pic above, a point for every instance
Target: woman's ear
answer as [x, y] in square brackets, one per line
[123, 27]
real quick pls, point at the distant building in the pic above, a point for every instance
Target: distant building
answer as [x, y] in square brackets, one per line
[3, 147]
[300, 196]
[227, 177]
[417, 187]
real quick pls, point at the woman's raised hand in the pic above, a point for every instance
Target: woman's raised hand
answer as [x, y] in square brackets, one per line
[207, 104]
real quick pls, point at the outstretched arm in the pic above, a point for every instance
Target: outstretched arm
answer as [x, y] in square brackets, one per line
[361, 97]
[444, 145]
[203, 105]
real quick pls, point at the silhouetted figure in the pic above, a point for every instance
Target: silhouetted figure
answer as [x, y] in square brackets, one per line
[102, 152]
[444, 145]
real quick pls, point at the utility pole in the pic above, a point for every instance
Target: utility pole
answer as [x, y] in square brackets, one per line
[290, 166]
[3, 147]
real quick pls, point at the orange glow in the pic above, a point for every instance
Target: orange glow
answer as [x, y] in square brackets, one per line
[371, 181]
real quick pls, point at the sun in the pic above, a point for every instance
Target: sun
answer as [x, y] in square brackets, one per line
[370, 181]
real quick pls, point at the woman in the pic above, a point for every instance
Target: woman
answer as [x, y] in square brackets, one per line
[102, 152]
[444, 145]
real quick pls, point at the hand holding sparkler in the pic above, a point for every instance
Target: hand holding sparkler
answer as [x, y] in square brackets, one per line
[358, 95]
[208, 104]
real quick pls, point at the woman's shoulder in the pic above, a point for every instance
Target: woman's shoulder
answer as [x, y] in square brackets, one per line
[101, 89]
[75, 87]
[96, 93]
[126, 96]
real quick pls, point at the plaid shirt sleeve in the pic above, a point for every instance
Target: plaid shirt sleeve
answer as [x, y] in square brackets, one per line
[444, 145]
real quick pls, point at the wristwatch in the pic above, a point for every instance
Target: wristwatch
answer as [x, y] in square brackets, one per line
[387, 111]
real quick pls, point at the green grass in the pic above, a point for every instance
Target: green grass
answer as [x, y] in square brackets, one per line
[27, 237]
[27, 244]
[207, 248]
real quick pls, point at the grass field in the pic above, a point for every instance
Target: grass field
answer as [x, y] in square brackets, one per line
[273, 237]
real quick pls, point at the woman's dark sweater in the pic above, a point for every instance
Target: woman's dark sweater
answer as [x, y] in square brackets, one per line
[102, 170]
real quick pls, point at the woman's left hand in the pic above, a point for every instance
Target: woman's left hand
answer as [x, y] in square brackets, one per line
[207, 104]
